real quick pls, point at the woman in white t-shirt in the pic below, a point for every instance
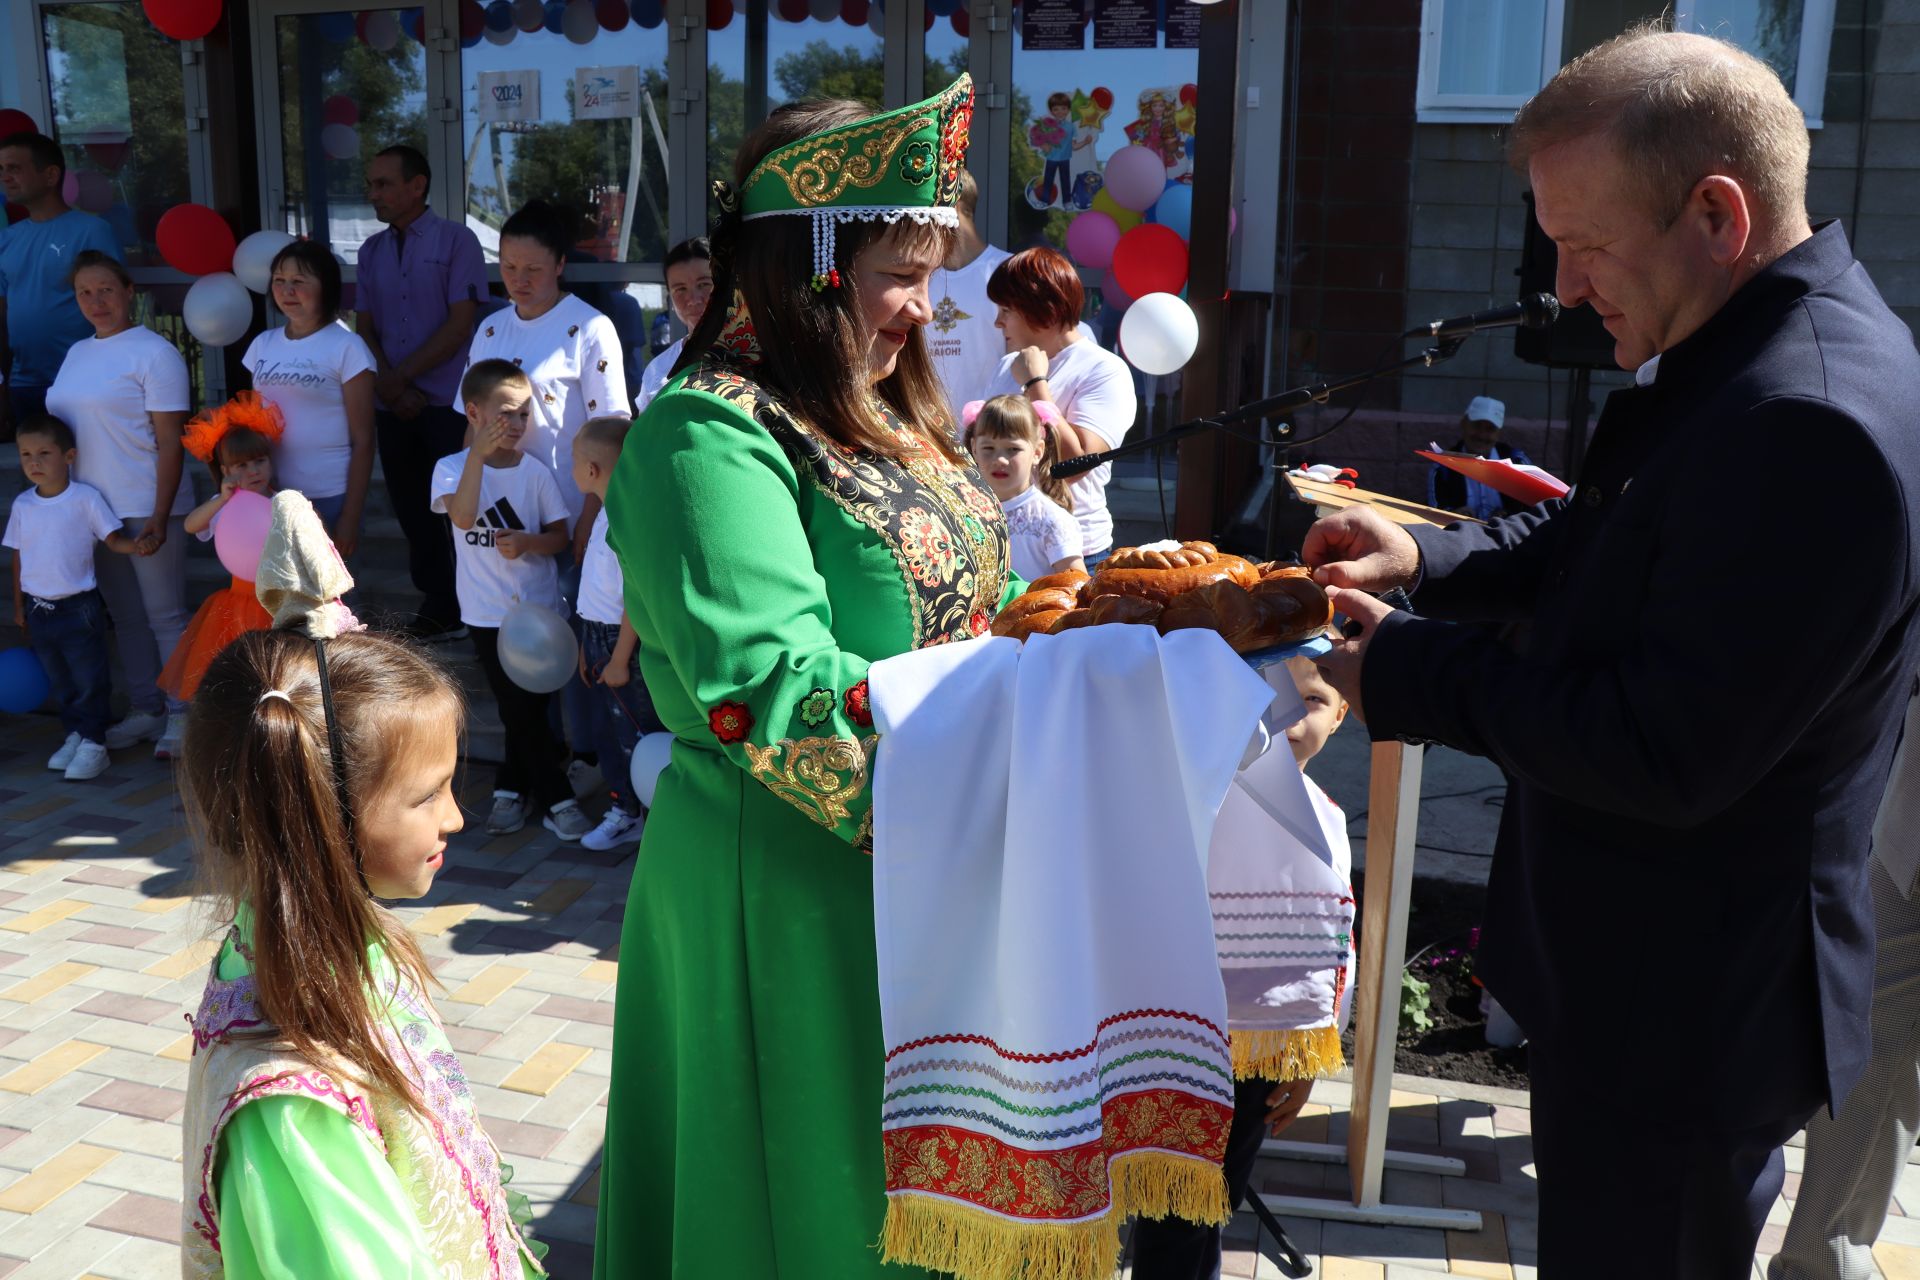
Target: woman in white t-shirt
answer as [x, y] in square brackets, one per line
[319, 374]
[125, 393]
[568, 350]
[1038, 296]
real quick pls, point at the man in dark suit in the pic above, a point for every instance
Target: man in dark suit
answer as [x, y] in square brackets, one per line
[1701, 726]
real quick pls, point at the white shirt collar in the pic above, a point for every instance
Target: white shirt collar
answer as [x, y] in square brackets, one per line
[1646, 373]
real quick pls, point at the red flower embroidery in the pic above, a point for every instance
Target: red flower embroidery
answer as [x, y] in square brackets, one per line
[730, 722]
[979, 623]
[857, 709]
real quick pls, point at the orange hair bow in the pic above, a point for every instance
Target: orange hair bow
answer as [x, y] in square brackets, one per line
[203, 435]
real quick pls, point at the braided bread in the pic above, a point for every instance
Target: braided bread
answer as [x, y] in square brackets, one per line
[1161, 571]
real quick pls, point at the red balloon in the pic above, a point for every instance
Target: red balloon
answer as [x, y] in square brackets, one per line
[473, 20]
[854, 12]
[12, 121]
[183, 19]
[962, 23]
[719, 14]
[1102, 98]
[928, 15]
[1189, 94]
[791, 10]
[1150, 259]
[340, 109]
[195, 239]
[360, 24]
[613, 14]
[108, 155]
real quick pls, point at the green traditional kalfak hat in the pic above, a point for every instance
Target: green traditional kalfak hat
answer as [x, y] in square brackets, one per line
[901, 164]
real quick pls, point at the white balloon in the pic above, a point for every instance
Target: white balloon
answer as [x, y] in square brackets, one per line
[383, 29]
[253, 258]
[1159, 334]
[537, 648]
[340, 141]
[218, 309]
[579, 23]
[500, 37]
[650, 757]
[824, 10]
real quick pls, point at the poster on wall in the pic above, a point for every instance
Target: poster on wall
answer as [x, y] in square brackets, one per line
[1067, 139]
[606, 93]
[1053, 25]
[1183, 24]
[508, 97]
[1165, 125]
[1125, 24]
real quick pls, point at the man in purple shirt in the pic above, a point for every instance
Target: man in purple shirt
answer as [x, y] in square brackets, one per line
[421, 284]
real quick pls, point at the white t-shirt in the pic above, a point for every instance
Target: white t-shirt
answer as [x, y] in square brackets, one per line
[655, 375]
[964, 344]
[523, 498]
[105, 389]
[602, 591]
[54, 538]
[1041, 533]
[573, 358]
[1092, 388]
[306, 377]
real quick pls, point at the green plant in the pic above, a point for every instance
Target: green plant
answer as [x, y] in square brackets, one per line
[1415, 1000]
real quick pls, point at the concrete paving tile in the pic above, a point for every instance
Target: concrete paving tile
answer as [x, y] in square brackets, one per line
[1897, 1261]
[527, 1036]
[50, 1066]
[49, 1181]
[558, 896]
[504, 1012]
[601, 971]
[76, 1253]
[138, 1259]
[1512, 1120]
[565, 1221]
[1418, 1189]
[490, 985]
[572, 1098]
[30, 990]
[115, 1004]
[546, 1068]
[116, 1034]
[180, 1050]
[128, 983]
[1383, 1244]
[144, 1174]
[141, 1068]
[1338, 1268]
[575, 1010]
[124, 1097]
[52, 913]
[142, 1137]
[469, 1040]
[1481, 1253]
[494, 1102]
[118, 877]
[193, 958]
[1901, 1230]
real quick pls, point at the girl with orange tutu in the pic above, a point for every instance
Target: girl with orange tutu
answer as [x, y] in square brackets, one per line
[236, 441]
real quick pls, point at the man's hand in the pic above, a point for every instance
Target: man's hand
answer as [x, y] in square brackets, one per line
[1360, 548]
[1342, 666]
[153, 536]
[412, 402]
[390, 387]
[1284, 1103]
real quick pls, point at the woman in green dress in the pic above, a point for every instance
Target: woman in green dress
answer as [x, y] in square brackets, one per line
[790, 510]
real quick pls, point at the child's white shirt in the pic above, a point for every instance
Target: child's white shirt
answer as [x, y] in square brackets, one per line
[55, 537]
[1041, 533]
[522, 498]
[601, 587]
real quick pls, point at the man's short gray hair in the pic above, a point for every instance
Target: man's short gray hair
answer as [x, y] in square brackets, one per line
[1677, 108]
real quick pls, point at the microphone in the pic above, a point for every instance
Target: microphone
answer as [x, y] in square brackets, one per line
[1535, 311]
[1076, 466]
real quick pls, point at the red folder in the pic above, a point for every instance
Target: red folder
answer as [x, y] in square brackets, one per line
[1522, 482]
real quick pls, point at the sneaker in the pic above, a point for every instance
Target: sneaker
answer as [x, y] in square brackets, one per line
[614, 830]
[137, 727]
[60, 759]
[509, 813]
[168, 748]
[584, 778]
[89, 761]
[425, 630]
[567, 820]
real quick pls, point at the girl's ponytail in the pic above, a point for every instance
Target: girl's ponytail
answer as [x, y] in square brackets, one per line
[1013, 417]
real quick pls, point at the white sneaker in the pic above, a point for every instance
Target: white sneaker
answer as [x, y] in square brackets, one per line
[168, 748]
[509, 813]
[567, 820]
[60, 759]
[583, 778]
[89, 761]
[137, 727]
[615, 829]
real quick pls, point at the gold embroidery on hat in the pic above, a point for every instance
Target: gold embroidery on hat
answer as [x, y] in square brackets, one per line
[819, 170]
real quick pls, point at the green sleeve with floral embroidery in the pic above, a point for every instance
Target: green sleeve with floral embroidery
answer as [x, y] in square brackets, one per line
[720, 577]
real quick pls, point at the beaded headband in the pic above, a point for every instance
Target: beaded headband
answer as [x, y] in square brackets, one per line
[899, 164]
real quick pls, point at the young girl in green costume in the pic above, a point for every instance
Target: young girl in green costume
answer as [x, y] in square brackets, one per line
[329, 1132]
[788, 511]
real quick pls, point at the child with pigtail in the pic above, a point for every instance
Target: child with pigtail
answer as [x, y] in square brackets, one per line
[1011, 439]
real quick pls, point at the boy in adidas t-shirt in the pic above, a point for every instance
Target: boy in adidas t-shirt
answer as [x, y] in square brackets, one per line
[509, 522]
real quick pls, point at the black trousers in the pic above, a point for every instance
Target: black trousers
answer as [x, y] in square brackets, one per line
[408, 450]
[532, 765]
[1617, 1197]
[1175, 1249]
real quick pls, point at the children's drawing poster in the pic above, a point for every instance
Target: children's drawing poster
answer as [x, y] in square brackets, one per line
[1067, 139]
[1164, 123]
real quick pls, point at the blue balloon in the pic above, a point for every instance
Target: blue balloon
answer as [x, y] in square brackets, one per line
[411, 23]
[337, 27]
[647, 14]
[499, 15]
[556, 15]
[23, 682]
[1174, 210]
[943, 8]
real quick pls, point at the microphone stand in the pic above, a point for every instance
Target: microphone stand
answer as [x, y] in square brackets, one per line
[1279, 440]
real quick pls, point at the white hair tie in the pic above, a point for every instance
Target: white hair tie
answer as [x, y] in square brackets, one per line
[275, 693]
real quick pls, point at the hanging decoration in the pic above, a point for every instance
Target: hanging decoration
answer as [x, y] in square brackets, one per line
[195, 239]
[183, 19]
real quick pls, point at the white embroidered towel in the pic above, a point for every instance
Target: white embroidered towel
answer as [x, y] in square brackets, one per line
[1049, 997]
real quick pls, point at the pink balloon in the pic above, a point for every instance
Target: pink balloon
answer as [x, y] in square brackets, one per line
[1135, 177]
[240, 535]
[95, 193]
[340, 109]
[1115, 296]
[1091, 238]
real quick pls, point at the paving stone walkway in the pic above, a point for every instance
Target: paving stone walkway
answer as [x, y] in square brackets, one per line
[103, 950]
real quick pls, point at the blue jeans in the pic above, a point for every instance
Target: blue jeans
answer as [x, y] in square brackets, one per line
[624, 713]
[1098, 558]
[69, 636]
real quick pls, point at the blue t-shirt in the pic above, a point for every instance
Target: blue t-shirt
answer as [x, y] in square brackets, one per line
[43, 320]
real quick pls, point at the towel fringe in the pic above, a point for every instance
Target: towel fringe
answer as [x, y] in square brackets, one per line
[975, 1244]
[1306, 1053]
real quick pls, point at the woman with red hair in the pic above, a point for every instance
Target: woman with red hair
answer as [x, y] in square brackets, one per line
[1051, 360]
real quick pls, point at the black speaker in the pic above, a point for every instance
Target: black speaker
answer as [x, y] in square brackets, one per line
[1577, 340]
